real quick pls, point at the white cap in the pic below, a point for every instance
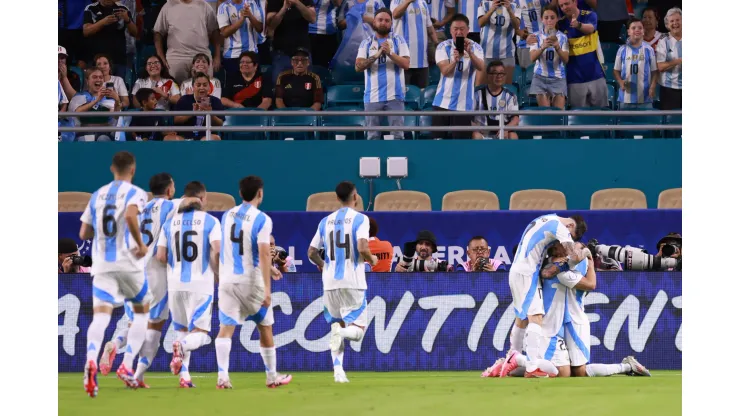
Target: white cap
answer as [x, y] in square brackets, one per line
[62, 51]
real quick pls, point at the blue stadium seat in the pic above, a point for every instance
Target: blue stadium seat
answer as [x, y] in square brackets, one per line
[243, 120]
[540, 120]
[528, 75]
[609, 72]
[342, 121]
[323, 74]
[337, 95]
[519, 75]
[612, 95]
[656, 100]
[434, 75]
[308, 120]
[343, 75]
[414, 98]
[610, 51]
[526, 100]
[429, 93]
[80, 73]
[424, 121]
[672, 120]
[646, 119]
[583, 120]
[410, 121]
[266, 69]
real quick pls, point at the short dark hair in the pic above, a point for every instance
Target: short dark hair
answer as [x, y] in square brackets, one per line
[477, 237]
[632, 20]
[201, 75]
[251, 55]
[107, 58]
[158, 183]
[651, 9]
[493, 64]
[581, 227]
[344, 190]
[373, 227]
[67, 245]
[194, 188]
[384, 10]
[553, 7]
[249, 186]
[459, 17]
[123, 160]
[202, 55]
[143, 94]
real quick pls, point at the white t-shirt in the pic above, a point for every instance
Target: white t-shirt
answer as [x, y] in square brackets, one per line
[339, 235]
[167, 85]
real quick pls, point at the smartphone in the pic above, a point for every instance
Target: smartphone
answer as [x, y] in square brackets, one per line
[460, 45]
[109, 85]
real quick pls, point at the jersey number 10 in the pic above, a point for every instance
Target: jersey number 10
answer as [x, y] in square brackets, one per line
[339, 244]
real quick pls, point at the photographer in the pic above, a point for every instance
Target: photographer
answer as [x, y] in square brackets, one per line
[478, 258]
[69, 260]
[417, 255]
[280, 258]
[670, 247]
[616, 257]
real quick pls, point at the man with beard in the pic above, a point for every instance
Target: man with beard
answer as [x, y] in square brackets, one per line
[426, 245]
[384, 58]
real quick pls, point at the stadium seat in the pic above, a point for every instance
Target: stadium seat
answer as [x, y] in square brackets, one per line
[402, 201]
[327, 202]
[434, 75]
[583, 120]
[632, 120]
[526, 100]
[414, 98]
[245, 120]
[266, 69]
[343, 75]
[537, 200]
[342, 121]
[73, 201]
[338, 95]
[618, 198]
[528, 75]
[472, 200]
[429, 93]
[609, 72]
[673, 120]
[217, 201]
[612, 95]
[610, 50]
[670, 199]
[308, 120]
[410, 121]
[424, 121]
[323, 74]
[80, 73]
[519, 75]
[540, 120]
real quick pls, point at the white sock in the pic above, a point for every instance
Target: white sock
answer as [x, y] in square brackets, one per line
[223, 349]
[269, 357]
[534, 340]
[517, 338]
[337, 358]
[148, 352]
[136, 337]
[605, 370]
[121, 340]
[95, 335]
[352, 333]
[521, 360]
[185, 370]
[194, 340]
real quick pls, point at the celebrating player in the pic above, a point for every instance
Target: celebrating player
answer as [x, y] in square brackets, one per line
[244, 286]
[118, 253]
[189, 244]
[344, 236]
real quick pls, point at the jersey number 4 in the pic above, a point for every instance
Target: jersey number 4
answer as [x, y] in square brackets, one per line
[189, 248]
[339, 244]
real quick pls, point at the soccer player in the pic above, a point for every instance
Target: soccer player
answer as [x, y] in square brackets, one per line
[550, 55]
[498, 22]
[529, 13]
[636, 70]
[189, 244]
[344, 236]
[412, 20]
[118, 251]
[244, 284]
[384, 58]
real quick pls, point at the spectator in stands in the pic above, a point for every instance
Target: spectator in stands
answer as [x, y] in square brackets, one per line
[289, 20]
[478, 258]
[299, 87]
[670, 59]
[441, 12]
[96, 98]
[529, 13]
[280, 258]
[494, 97]
[455, 91]
[105, 65]
[550, 55]
[371, 7]
[67, 249]
[188, 25]
[248, 88]
[241, 22]
[135, 9]
[411, 20]
[199, 100]
[586, 81]
[636, 70]
[612, 16]
[106, 23]
[650, 18]
[662, 6]
[150, 101]
[498, 21]
[323, 32]
[383, 250]
[469, 8]
[201, 64]
[384, 58]
[154, 75]
[71, 18]
[64, 76]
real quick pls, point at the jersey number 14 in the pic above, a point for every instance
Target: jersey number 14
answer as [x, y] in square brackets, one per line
[339, 244]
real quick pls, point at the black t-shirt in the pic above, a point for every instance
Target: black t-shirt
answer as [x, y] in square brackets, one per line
[146, 121]
[186, 104]
[110, 39]
[248, 93]
[292, 32]
[299, 90]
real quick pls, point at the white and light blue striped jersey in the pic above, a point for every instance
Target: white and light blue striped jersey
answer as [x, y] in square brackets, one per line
[529, 13]
[112, 243]
[563, 303]
[438, 10]
[326, 18]
[549, 64]
[262, 37]
[243, 227]
[669, 48]
[535, 240]
[497, 36]
[371, 6]
[384, 80]
[413, 27]
[456, 92]
[470, 9]
[151, 220]
[246, 38]
[339, 235]
[61, 96]
[635, 66]
[188, 238]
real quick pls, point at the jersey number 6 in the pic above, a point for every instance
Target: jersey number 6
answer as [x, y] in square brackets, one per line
[339, 244]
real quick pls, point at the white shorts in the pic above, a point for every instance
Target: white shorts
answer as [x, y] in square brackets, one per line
[240, 302]
[526, 292]
[578, 342]
[557, 352]
[347, 305]
[113, 288]
[191, 310]
[156, 277]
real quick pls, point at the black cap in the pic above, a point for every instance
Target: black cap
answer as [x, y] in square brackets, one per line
[67, 246]
[670, 237]
[426, 235]
[301, 51]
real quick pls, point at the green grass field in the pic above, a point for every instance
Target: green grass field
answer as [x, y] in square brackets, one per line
[401, 393]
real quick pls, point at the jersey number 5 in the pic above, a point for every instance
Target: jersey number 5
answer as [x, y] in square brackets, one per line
[146, 231]
[339, 244]
[189, 248]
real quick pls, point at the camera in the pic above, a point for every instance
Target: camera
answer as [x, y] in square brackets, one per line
[418, 265]
[480, 263]
[670, 249]
[282, 254]
[633, 258]
[84, 261]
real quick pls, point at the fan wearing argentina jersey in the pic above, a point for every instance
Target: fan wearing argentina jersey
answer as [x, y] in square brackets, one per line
[669, 54]
[189, 245]
[455, 91]
[495, 97]
[441, 12]
[412, 21]
[498, 21]
[371, 6]
[383, 57]
[550, 55]
[529, 13]
[343, 236]
[636, 70]
[469, 8]
[240, 23]
[323, 32]
[111, 220]
[244, 291]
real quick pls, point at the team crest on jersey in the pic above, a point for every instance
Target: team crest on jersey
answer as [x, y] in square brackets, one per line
[257, 84]
[308, 86]
[502, 103]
